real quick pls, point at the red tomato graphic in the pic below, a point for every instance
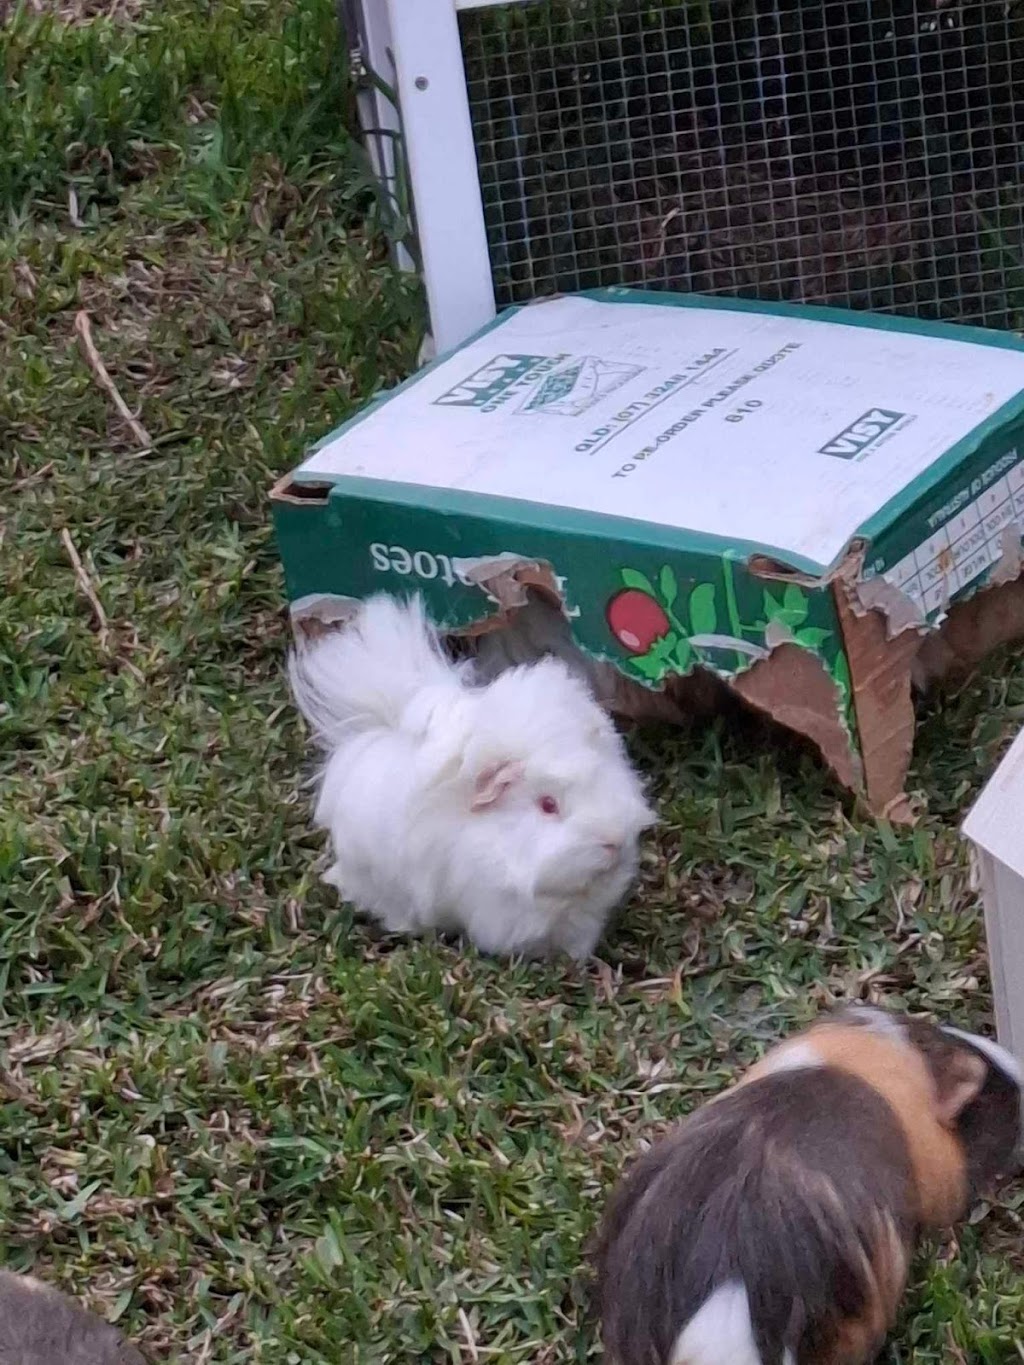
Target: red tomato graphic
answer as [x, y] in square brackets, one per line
[636, 620]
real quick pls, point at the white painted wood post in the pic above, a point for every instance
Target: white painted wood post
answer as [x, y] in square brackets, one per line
[995, 828]
[441, 157]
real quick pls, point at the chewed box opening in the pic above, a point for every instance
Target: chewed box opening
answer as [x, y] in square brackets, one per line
[804, 503]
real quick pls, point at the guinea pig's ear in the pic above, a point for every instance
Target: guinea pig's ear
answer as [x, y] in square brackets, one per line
[959, 1080]
[491, 783]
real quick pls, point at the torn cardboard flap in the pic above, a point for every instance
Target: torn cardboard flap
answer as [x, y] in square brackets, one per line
[313, 616]
[507, 580]
[536, 625]
[783, 681]
[900, 612]
[791, 688]
[813, 510]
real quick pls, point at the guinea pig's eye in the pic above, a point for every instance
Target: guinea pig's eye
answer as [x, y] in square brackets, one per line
[548, 805]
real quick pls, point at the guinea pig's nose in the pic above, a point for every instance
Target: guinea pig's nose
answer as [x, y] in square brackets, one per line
[612, 847]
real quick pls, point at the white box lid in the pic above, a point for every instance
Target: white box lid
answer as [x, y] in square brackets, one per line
[786, 429]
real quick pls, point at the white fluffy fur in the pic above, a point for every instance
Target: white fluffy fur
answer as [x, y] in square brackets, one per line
[795, 1056]
[431, 787]
[880, 1021]
[720, 1332]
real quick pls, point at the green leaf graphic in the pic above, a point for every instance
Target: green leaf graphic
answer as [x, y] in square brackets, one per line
[795, 606]
[732, 608]
[703, 617]
[841, 674]
[669, 586]
[791, 611]
[663, 649]
[811, 636]
[648, 667]
[634, 579]
[684, 655]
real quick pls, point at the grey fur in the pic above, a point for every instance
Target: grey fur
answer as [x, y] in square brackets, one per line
[41, 1326]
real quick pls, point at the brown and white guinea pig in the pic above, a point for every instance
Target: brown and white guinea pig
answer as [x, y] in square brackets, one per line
[775, 1226]
[41, 1326]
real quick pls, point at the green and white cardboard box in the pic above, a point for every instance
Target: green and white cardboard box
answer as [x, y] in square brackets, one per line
[789, 497]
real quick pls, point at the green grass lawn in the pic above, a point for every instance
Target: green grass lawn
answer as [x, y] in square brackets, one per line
[231, 1118]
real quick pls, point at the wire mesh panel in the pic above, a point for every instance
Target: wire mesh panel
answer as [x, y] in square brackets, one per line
[861, 154]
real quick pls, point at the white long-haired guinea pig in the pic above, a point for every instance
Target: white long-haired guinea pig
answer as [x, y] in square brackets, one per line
[508, 812]
[776, 1225]
[41, 1326]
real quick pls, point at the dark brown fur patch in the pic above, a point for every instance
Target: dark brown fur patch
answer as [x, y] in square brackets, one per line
[897, 1071]
[798, 1184]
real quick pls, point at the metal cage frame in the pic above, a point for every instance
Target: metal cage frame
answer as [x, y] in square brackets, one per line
[414, 94]
[412, 48]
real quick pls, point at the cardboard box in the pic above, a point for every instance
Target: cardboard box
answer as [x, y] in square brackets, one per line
[994, 829]
[792, 499]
